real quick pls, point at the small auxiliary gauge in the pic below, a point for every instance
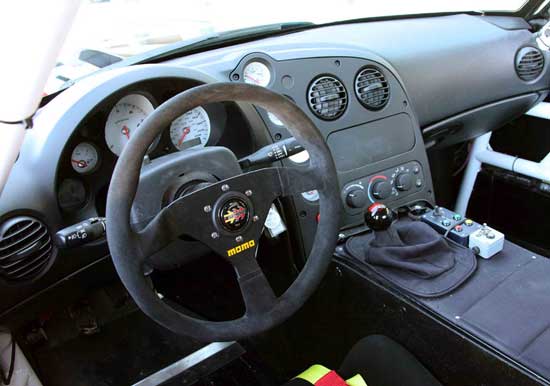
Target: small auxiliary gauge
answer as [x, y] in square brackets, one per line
[85, 158]
[311, 196]
[257, 73]
[274, 119]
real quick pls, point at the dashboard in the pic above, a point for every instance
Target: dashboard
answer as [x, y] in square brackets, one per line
[379, 92]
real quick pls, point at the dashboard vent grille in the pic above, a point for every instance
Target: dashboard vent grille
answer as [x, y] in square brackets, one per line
[372, 88]
[25, 248]
[529, 63]
[327, 97]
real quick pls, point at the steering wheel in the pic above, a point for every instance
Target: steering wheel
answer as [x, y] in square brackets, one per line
[227, 215]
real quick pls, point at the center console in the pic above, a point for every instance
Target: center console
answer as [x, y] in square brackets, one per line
[465, 274]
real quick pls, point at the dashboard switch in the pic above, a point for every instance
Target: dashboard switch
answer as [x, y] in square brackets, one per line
[81, 233]
[357, 198]
[381, 190]
[403, 182]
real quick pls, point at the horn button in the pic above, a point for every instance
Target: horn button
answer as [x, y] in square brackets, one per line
[232, 212]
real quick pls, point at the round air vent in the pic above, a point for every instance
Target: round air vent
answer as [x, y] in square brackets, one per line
[327, 97]
[25, 249]
[372, 88]
[529, 63]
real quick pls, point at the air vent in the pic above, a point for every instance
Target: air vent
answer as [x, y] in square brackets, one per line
[25, 249]
[327, 97]
[372, 88]
[529, 63]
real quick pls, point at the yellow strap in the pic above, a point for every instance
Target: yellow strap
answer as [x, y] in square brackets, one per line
[316, 372]
[357, 380]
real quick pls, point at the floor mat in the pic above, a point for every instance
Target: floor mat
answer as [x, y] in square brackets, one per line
[124, 352]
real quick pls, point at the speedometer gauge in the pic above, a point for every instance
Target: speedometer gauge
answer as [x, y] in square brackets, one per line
[124, 119]
[257, 73]
[192, 129]
[84, 158]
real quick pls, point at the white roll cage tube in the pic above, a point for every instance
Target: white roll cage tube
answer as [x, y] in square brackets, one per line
[482, 153]
[32, 34]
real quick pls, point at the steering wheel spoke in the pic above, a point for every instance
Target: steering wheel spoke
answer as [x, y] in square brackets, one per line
[256, 291]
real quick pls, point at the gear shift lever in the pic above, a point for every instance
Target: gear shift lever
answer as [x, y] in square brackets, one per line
[379, 218]
[410, 254]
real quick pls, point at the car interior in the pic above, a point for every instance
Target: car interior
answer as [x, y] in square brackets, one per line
[357, 203]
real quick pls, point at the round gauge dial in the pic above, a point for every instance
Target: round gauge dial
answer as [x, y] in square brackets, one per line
[85, 158]
[124, 119]
[311, 196]
[274, 119]
[71, 194]
[257, 73]
[191, 129]
[300, 157]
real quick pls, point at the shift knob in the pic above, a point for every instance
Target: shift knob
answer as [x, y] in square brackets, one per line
[378, 217]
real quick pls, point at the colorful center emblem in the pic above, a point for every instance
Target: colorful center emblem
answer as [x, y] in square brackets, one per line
[234, 215]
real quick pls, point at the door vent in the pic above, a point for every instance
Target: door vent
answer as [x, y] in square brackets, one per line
[25, 249]
[529, 63]
[372, 88]
[327, 97]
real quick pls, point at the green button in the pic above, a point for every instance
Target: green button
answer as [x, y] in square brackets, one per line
[457, 217]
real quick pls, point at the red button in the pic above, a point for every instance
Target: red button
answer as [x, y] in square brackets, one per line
[458, 228]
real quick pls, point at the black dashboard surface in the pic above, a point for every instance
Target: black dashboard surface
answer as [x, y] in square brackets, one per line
[437, 68]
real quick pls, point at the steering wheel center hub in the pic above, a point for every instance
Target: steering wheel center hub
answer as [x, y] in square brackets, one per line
[233, 214]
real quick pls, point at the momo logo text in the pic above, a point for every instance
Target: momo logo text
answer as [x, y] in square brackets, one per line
[240, 248]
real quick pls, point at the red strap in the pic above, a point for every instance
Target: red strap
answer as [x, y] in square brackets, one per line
[331, 379]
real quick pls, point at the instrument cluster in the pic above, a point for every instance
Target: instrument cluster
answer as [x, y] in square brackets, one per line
[98, 142]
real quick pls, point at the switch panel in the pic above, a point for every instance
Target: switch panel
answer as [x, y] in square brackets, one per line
[442, 219]
[484, 240]
[385, 186]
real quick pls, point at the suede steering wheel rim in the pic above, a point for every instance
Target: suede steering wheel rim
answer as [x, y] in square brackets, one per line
[238, 207]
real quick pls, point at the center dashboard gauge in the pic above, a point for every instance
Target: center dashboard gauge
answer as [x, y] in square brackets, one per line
[257, 73]
[85, 158]
[191, 129]
[124, 119]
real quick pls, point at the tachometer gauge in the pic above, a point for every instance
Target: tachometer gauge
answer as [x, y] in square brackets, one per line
[85, 158]
[192, 129]
[257, 73]
[124, 119]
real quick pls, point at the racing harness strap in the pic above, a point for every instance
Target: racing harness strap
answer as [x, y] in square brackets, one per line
[319, 375]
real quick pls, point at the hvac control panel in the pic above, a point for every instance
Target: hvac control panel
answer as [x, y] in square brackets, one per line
[385, 186]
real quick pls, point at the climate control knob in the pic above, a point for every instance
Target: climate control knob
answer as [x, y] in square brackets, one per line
[357, 198]
[381, 190]
[403, 182]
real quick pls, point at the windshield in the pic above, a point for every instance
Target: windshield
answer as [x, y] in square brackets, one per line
[106, 31]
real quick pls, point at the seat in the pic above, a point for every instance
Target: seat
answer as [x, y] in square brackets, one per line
[380, 362]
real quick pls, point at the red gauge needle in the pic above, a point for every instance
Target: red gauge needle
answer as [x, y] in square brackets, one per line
[80, 163]
[252, 79]
[186, 131]
[125, 131]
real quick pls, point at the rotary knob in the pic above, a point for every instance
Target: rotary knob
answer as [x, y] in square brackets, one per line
[357, 198]
[403, 182]
[381, 189]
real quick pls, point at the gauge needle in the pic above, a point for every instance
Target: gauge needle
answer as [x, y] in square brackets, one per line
[183, 135]
[252, 79]
[125, 131]
[80, 163]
